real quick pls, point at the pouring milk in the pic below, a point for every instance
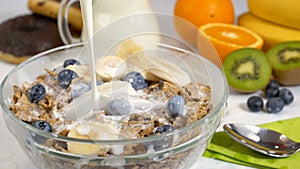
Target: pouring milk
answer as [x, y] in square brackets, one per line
[97, 16]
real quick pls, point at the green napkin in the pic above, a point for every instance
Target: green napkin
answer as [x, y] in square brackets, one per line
[223, 147]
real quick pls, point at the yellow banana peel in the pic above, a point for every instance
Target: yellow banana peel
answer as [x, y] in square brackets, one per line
[272, 33]
[283, 12]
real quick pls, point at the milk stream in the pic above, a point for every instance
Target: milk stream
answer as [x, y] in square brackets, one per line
[87, 15]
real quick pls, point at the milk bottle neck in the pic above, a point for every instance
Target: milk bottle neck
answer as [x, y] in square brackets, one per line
[107, 11]
[122, 6]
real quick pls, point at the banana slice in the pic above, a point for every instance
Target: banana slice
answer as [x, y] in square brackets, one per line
[145, 73]
[117, 88]
[167, 71]
[127, 48]
[160, 68]
[92, 131]
[111, 68]
[149, 76]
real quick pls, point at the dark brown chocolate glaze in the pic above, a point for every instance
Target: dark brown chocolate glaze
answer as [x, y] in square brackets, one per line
[28, 35]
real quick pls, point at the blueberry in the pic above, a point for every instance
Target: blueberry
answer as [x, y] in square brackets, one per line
[71, 62]
[163, 129]
[161, 143]
[78, 89]
[136, 79]
[117, 107]
[255, 103]
[65, 77]
[36, 93]
[175, 106]
[273, 83]
[271, 92]
[286, 95]
[42, 125]
[274, 105]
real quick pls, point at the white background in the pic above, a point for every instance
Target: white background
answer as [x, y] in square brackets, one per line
[11, 156]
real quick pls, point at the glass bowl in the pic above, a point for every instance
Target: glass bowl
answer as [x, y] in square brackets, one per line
[179, 148]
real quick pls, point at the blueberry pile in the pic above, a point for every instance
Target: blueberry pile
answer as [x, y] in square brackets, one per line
[37, 92]
[276, 98]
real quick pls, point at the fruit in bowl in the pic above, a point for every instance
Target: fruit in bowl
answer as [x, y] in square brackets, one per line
[142, 110]
[147, 140]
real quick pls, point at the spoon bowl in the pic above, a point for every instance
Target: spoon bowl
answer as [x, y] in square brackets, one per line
[266, 141]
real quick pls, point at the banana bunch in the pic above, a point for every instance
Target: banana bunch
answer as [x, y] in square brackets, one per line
[282, 12]
[275, 22]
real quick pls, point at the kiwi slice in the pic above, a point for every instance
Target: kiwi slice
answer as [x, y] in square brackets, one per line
[285, 61]
[247, 70]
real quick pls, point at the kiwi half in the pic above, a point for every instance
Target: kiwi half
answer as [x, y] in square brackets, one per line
[247, 70]
[285, 62]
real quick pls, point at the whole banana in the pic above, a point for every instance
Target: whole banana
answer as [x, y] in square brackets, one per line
[283, 12]
[272, 33]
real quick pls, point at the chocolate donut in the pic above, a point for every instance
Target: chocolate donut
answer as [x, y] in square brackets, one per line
[27, 35]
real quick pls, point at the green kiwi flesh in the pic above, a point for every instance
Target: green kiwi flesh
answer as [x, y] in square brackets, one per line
[285, 61]
[247, 70]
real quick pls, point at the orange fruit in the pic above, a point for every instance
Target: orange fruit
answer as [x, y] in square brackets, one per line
[228, 37]
[200, 12]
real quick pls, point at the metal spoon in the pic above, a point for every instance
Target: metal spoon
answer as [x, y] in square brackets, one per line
[263, 140]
